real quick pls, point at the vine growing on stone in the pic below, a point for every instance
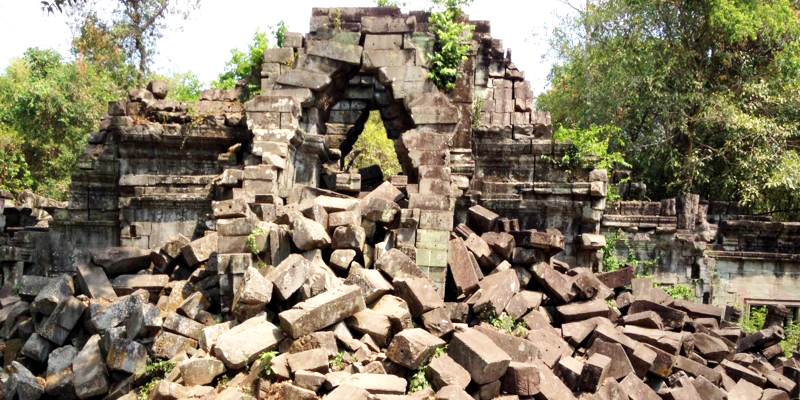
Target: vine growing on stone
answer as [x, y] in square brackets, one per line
[452, 42]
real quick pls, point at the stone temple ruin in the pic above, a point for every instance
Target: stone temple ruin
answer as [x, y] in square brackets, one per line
[182, 216]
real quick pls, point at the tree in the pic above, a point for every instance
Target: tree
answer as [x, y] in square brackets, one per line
[47, 109]
[136, 24]
[374, 147]
[704, 91]
[244, 66]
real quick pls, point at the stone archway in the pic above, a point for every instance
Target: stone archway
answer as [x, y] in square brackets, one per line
[318, 90]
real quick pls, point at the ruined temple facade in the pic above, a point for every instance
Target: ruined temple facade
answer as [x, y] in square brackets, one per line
[156, 167]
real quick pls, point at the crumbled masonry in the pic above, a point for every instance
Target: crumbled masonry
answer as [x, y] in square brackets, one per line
[220, 251]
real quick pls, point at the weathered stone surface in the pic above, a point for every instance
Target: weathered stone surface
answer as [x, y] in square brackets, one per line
[308, 234]
[200, 250]
[37, 348]
[519, 349]
[373, 323]
[120, 260]
[550, 344]
[645, 319]
[594, 372]
[419, 294]
[411, 347]
[550, 387]
[348, 392]
[745, 390]
[307, 79]
[201, 371]
[398, 265]
[254, 292]
[496, 291]
[167, 345]
[21, 383]
[636, 389]
[380, 210]
[578, 311]
[94, 282]
[372, 283]
[60, 383]
[452, 392]
[89, 370]
[55, 292]
[620, 364]
[461, 269]
[377, 384]
[739, 373]
[342, 258]
[668, 341]
[569, 370]
[243, 343]
[349, 237]
[710, 347]
[479, 355]
[183, 326]
[672, 318]
[289, 275]
[480, 219]
[309, 360]
[321, 311]
[444, 371]
[556, 285]
[127, 356]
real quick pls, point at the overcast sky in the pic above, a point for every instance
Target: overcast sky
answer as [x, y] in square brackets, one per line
[203, 44]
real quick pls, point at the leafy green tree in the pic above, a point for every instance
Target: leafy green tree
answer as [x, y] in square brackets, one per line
[374, 147]
[98, 43]
[182, 86]
[15, 175]
[50, 106]
[705, 93]
[452, 42]
[243, 63]
[135, 24]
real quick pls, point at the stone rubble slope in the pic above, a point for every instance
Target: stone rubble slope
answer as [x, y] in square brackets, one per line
[323, 300]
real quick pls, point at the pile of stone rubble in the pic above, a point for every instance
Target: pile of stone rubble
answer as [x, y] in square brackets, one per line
[319, 298]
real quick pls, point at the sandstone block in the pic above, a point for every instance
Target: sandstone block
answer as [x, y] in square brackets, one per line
[479, 355]
[322, 310]
[444, 371]
[412, 347]
[245, 342]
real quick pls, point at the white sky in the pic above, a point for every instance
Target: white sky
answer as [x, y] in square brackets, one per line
[204, 43]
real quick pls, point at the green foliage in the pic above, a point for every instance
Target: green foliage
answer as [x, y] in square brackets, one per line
[156, 370]
[373, 147]
[337, 362]
[590, 148]
[51, 105]
[792, 342]
[680, 291]
[223, 381]
[251, 240]
[266, 358]
[280, 33]
[612, 261]
[15, 176]
[243, 63]
[97, 42]
[452, 45]
[754, 321]
[390, 3]
[183, 86]
[419, 381]
[136, 26]
[705, 91]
